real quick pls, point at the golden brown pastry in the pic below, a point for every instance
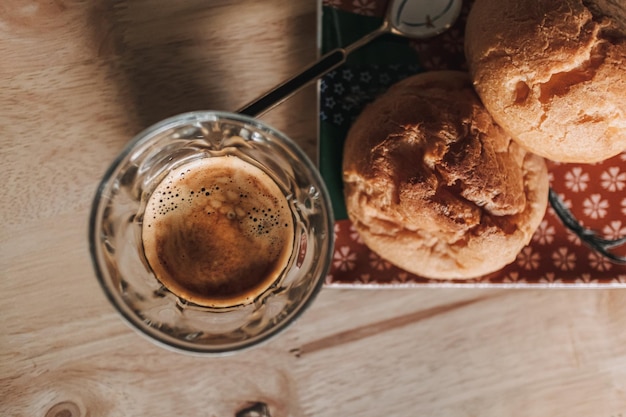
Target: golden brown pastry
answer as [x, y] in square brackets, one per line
[552, 73]
[434, 186]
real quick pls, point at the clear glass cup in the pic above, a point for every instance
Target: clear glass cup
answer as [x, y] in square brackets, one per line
[116, 226]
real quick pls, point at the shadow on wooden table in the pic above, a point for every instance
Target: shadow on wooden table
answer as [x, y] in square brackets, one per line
[166, 58]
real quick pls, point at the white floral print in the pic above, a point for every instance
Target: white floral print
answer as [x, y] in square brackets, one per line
[364, 7]
[613, 180]
[453, 41]
[544, 235]
[528, 259]
[614, 230]
[585, 279]
[344, 259]
[550, 277]
[354, 235]
[511, 277]
[378, 263]
[573, 238]
[563, 259]
[576, 180]
[402, 276]
[595, 207]
[599, 262]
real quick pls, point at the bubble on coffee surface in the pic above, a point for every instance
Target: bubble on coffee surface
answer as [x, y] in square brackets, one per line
[217, 231]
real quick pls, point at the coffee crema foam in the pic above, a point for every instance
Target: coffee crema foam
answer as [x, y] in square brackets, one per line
[217, 232]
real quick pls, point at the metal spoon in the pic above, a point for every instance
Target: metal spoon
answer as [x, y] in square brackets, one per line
[417, 19]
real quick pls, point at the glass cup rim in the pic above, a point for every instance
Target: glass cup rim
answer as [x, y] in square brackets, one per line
[146, 135]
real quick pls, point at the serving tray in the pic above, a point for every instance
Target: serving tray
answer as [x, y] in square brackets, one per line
[595, 193]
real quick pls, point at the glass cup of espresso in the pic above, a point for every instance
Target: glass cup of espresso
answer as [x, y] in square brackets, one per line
[211, 232]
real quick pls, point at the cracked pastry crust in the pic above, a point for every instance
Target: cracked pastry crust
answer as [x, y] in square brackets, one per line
[552, 73]
[434, 186]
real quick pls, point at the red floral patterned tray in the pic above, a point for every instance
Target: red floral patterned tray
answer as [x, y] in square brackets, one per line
[595, 193]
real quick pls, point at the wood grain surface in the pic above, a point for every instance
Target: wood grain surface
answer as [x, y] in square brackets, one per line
[77, 80]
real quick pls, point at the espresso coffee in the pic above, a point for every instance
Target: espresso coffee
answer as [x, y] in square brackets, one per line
[217, 232]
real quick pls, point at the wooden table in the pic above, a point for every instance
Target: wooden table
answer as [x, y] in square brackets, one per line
[78, 80]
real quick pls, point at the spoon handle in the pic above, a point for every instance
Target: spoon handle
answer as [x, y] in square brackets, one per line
[325, 64]
[282, 91]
